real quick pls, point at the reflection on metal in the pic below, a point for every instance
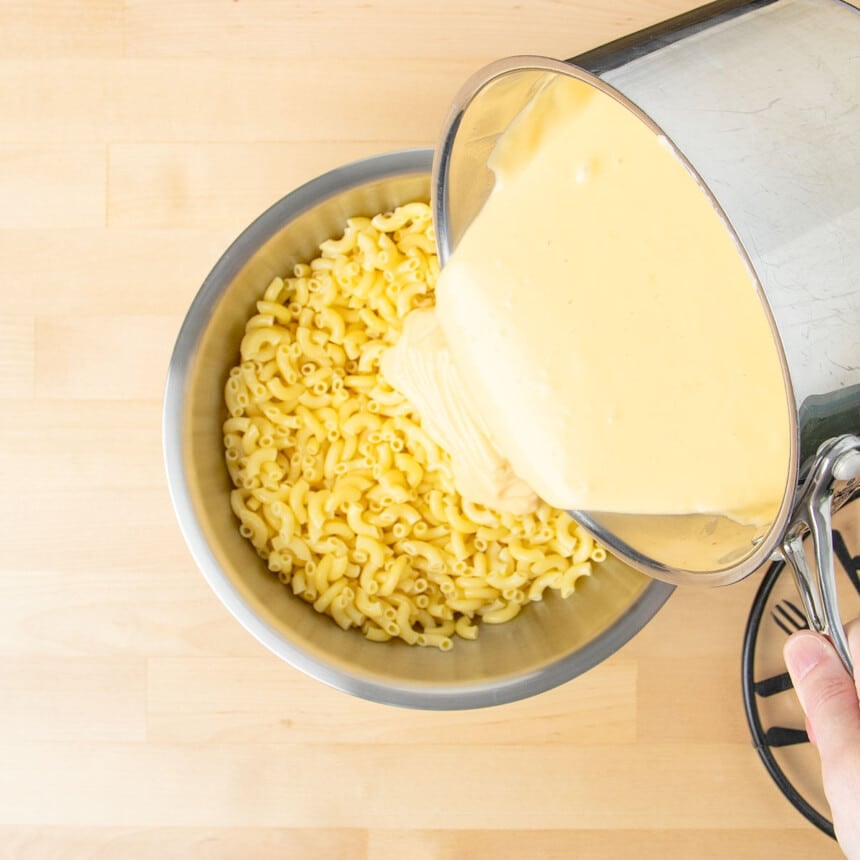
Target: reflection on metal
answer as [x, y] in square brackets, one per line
[838, 460]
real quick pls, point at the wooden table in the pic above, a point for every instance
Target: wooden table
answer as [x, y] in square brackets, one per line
[138, 719]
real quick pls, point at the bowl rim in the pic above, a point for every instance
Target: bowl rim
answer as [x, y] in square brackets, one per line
[430, 695]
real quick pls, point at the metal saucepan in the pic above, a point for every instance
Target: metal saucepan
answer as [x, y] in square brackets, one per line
[759, 102]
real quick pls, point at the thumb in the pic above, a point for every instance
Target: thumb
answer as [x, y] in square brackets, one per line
[827, 694]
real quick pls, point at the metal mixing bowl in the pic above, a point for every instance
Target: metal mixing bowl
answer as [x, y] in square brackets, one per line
[549, 643]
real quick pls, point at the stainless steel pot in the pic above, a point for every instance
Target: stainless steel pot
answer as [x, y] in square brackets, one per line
[760, 101]
[548, 644]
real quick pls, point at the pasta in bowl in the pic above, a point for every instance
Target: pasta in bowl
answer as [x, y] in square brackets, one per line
[338, 490]
[338, 485]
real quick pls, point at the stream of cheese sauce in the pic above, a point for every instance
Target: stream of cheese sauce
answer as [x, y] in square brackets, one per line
[598, 340]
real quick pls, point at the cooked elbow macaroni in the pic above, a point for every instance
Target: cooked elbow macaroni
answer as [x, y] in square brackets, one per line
[338, 487]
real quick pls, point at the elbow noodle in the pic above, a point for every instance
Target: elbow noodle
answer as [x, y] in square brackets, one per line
[316, 509]
[391, 221]
[370, 356]
[357, 523]
[374, 548]
[479, 514]
[321, 574]
[255, 528]
[584, 545]
[236, 425]
[499, 616]
[358, 423]
[367, 605]
[333, 321]
[254, 341]
[541, 583]
[277, 312]
[273, 291]
[324, 600]
[375, 633]
[259, 456]
[465, 629]
[339, 611]
[459, 522]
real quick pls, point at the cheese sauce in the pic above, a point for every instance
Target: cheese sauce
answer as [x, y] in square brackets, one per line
[597, 337]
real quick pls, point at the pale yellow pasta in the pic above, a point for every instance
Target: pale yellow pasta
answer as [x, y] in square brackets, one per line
[338, 486]
[374, 548]
[464, 628]
[540, 583]
[374, 633]
[257, 458]
[296, 497]
[504, 613]
[584, 545]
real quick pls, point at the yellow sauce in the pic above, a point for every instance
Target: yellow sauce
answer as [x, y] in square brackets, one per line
[597, 337]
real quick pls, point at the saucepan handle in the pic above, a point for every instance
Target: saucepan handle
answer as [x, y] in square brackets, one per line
[837, 460]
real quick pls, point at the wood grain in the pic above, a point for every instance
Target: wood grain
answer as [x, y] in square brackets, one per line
[199, 185]
[138, 719]
[97, 357]
[184, 843]
[59, 611]
[52, 185]
[320, 785]
[702, 844]
[398, 29]
[223, 843]
[69, 699]
[104, 444]
[210, 100]
[80, 272]
[64, 28]
[17, 356]
[193, 700]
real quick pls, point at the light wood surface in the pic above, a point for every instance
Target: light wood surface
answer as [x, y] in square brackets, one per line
[137, 719]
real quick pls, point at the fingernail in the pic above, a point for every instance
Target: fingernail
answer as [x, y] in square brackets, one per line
[803, 652]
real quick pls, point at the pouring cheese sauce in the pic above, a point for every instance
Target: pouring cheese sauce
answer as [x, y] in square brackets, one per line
[598, 340]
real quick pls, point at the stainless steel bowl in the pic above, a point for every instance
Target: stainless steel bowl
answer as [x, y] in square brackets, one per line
[548, 644]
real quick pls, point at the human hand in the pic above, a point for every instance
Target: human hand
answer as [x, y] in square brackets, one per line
[829, 697]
